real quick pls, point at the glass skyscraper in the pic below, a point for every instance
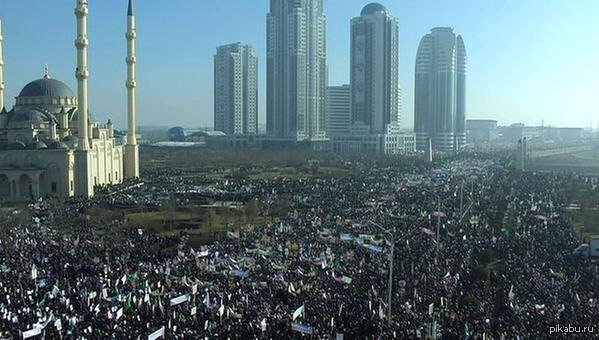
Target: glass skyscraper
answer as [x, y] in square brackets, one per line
[236, 89]
[440, 90]
[375, 69]
[296, 70]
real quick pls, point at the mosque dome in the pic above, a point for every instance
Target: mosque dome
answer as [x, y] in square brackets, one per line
[30, 116]
[72, 141]
[46, 87]
[37, 145]
[16, 145]
[373, 8]
[58, 145]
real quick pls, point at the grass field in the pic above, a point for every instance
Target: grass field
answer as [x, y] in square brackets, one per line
[201, 224]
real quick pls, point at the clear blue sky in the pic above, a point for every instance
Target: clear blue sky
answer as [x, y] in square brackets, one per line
[528, 59]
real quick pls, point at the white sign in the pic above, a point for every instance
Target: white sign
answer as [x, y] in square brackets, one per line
[157, 334]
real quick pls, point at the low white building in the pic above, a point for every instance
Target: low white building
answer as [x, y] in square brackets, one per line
[359, 141]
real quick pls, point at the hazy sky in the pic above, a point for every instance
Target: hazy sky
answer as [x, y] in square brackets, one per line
[528, 59]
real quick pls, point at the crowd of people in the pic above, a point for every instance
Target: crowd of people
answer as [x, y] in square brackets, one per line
[469, 247]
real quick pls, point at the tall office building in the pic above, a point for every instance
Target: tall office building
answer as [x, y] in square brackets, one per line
[296, 70]
[338, 110]
[375, 69]
[440, 92]
[236, 89]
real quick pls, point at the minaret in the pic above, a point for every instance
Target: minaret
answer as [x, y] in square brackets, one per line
[84, 186]
[1, 71]
[82, 72]
[131, 149]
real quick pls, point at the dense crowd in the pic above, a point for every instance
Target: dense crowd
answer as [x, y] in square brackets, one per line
[478, 250]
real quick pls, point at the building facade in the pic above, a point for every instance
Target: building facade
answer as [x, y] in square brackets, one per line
[296, 70]
[375, 69]
[392, 143]
[481, 131]
[236, 89]
[48, 144]
[440, 90]
[338, 110]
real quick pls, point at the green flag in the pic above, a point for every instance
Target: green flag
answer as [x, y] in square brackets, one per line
[128, 304]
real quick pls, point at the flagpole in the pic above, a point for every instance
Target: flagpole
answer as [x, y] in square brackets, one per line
[391, 258]
[438, 221]
[390, 277]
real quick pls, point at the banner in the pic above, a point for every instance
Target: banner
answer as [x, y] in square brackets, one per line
[304, 329]
[346, 237]
[32, 332]
[375, 248]
[157, 334]
[428, 231]
[240, 273]
[180, 299]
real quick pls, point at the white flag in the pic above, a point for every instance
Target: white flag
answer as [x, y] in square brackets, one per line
[207, 300]
[298, 312]
[263, 325]
[430, 308]
[34, 272]
[119, 313]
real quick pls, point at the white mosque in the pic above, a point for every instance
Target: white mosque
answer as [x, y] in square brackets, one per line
[48, 145]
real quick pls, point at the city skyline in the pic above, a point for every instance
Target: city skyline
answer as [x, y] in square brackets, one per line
[183, 58]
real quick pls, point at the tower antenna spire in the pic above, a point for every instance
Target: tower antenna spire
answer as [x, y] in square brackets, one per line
[46, 72]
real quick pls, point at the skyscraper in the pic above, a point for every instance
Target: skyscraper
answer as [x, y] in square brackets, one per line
[338, 110]
[236, 89]
[296, 70]
[440, 90]
[375, 68]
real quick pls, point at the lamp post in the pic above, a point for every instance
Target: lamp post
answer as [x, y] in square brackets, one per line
[391, 261]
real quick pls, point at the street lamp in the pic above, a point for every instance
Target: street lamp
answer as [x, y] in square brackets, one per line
[391, 261]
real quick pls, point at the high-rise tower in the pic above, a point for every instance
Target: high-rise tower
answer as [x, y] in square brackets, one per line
[338, 110]
[440, 90]
[236, 89]
[296, 70]
[131, 148]
[375, 68]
